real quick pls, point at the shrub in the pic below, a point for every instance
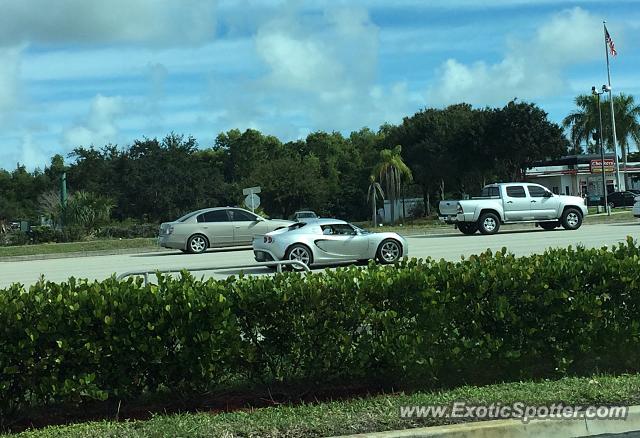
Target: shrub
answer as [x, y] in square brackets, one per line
[14, 237]
[127, 230]
[44, 234]
[491, 317]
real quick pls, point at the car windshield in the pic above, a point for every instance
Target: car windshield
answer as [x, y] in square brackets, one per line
[306, 214]
[360, 230]
[296, 226]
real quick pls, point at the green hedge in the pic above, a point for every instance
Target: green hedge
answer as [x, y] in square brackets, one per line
[127, 230]
[491, 317]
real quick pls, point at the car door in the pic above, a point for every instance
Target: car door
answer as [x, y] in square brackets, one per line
[544, 204]
[246, 225]
[343, 241]
[516, 203]
[217, 226]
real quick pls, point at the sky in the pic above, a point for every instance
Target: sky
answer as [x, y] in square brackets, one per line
[90, 73]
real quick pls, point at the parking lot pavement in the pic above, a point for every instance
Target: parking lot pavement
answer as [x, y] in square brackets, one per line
[447, 246]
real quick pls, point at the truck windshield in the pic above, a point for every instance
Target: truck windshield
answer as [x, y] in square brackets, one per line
[489, 192]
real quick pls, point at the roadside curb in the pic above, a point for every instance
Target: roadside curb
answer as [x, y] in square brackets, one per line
[517, 429]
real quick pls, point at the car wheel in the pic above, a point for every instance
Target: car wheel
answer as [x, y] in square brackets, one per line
[301, 253]
[488, 223]
[467, 228]
[571, 219]
[389, 251]
[197, 244]
[548, 226]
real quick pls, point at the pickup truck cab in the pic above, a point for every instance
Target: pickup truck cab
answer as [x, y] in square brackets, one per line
[508, 203]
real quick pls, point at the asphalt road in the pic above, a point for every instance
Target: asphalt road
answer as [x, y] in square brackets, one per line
[448, 246]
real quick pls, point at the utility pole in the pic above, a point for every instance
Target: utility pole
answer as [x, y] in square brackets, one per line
[63, 195]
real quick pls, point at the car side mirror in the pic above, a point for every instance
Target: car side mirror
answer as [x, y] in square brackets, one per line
[260, 219]
[548, 194]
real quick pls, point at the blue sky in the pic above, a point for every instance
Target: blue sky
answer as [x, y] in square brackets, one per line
[80, 73]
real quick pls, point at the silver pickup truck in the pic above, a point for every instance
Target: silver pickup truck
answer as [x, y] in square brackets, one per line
[510, 203]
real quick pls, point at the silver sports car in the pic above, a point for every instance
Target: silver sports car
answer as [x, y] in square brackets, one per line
[326, 241]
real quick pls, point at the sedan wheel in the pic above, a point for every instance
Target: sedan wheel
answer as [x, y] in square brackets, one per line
[300, 253]
[389, 251]
[197, 244]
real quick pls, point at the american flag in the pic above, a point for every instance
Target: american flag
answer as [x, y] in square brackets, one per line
[609, 41]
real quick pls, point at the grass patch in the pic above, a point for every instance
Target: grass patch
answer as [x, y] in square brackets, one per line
[61, 248]
[362, 415]
[617, 215]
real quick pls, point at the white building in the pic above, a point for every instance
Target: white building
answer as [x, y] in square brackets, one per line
[581, 175]
[403, 207]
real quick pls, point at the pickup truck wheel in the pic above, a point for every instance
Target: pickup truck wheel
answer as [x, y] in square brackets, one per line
[467, 228]
[548, 226]
[571, 219]
[488, 223]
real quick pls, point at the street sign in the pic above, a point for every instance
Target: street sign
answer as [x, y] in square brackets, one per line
[252, 201]
[251, 190]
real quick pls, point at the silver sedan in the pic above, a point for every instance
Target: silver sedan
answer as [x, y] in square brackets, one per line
[215, 227]
[327, 241]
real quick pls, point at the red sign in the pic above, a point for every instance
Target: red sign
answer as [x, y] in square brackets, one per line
[596, 165]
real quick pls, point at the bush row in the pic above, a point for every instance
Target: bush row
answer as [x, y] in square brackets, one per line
[491, 317]
[42, 234]
[47, 234]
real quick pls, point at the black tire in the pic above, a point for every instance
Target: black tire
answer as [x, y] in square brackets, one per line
[571, 219]
[488, 223]
[296, 252]
[389, 251]
[197, 244]
[468, 228]
[548, 226]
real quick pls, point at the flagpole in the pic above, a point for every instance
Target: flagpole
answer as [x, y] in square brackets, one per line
[613, 116]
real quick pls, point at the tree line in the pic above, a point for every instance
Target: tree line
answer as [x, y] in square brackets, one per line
[455, 149]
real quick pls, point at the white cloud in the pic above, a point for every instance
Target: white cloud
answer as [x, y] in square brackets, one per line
[529, 70]
[155, 22]
[10, 83]
[99, 128]
[322, 73]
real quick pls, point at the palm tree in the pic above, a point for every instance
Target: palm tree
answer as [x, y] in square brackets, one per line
[87, 210]
[584, 120]
[627, 114]
[392, 169]
[375, 190]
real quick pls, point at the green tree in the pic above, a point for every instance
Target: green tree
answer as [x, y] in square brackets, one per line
[392, 169]
[520, 135]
